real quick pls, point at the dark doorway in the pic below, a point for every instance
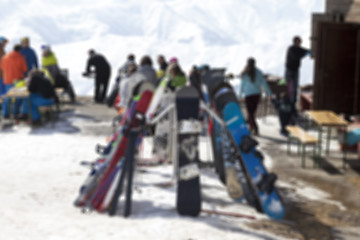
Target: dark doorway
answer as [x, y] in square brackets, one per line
[336, 78]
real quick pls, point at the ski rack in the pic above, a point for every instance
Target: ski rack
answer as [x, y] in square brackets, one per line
[162, 114]
[172, 134]
[212, 113]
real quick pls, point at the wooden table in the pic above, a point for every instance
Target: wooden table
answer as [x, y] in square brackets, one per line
[15, 93]
[327, 119]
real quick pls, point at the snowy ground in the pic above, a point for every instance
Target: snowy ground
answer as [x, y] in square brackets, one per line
[42, 173]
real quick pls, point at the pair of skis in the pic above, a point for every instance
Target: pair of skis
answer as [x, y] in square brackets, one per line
[105, 183]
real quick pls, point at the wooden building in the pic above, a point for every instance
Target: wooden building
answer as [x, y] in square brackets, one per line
[336, 49]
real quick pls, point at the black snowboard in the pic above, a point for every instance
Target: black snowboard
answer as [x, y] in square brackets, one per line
[188, 184]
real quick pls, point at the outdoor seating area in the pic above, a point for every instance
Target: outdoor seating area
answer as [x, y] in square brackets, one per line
[47, 113]
[316, 127]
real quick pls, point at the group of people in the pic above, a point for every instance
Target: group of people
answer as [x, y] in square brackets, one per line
[22, 63]
[252, 84]
[20, 67]
[130, 74]
[253, 81]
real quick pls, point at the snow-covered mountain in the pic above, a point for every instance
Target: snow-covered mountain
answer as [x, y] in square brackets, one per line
[220, 33]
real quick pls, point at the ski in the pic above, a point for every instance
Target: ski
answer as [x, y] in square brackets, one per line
[136, 120]
[127, 170]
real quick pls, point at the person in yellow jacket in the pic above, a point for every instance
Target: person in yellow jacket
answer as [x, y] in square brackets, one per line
[49, 62]
[14, 68]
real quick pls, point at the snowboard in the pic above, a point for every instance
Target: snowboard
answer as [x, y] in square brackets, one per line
[225, 162]
[209, 79]
[162, 133]
[263, 182]
[188, 200]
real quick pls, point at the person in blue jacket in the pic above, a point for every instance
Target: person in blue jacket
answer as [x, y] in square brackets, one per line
[29, 54]
[252, 83]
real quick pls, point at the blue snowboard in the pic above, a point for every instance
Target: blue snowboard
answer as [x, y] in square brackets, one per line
[268, 195]
[262, 181]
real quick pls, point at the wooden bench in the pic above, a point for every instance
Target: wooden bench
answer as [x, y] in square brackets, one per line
[303, 139]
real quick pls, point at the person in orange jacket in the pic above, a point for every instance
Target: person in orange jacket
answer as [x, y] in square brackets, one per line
[14, 68]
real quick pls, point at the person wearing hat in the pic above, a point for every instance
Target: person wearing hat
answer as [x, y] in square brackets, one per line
[3, 42]
[50, 64]
[102, 70]
[29, 54]
[14, 68]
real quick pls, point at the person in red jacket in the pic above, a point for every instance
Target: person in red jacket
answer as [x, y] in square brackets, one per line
[14, 68]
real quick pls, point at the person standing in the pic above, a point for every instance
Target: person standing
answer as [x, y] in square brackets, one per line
[176, 76]
[14, 68]
[123, 88]
[50, 65]
[144, 72]
[195, 80]
[3, 42]
[29, 54]
[102, 74]
[252, 82]
[123, 70]
[293, 59]
[162, 67]
[162, 63]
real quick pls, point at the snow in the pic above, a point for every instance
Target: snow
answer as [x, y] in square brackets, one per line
[310, 192]
[43, 175]
[220, 33]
